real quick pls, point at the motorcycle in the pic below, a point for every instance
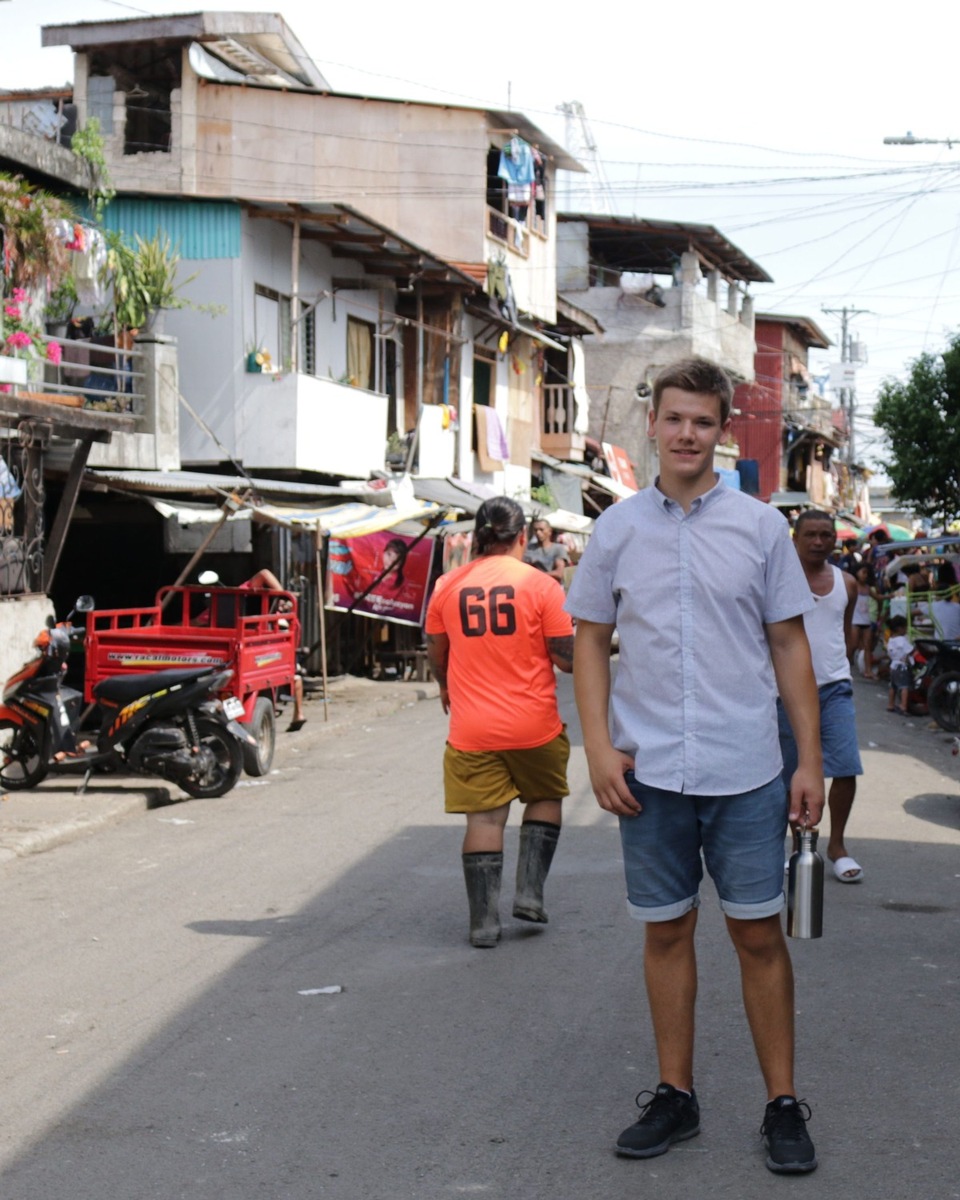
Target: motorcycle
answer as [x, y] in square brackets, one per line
[939, 677]
[165, 723]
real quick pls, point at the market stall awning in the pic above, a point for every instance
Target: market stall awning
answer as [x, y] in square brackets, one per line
[209, 483]
[344, 520]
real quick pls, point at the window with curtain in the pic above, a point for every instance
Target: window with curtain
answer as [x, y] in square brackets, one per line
[360, 353]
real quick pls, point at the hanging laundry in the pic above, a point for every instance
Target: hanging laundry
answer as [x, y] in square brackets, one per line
[516, 167]
[88, 269]
[497, 446]
[497, 279]
[539, 184]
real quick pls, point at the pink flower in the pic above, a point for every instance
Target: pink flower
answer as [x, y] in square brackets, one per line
[19, 339]
[19, 295]
[12, 310]
[54, 353]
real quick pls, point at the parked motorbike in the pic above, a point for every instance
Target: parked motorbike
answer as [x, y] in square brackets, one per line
[164, 723]
[940, 677]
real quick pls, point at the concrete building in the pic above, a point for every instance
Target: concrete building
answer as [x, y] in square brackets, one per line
[341, 231]
[783, 425]
[662, 290]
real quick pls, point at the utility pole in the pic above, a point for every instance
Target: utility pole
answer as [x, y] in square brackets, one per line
[848, 395]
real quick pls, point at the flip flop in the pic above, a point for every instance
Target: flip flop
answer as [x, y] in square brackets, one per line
[842, 866]
[297, 724]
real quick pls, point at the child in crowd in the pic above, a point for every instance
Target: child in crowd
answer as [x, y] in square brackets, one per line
[862, 621]
[900, 649]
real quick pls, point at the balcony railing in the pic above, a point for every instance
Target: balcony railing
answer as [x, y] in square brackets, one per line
[558, 436]
[514, 234]
[97, 372]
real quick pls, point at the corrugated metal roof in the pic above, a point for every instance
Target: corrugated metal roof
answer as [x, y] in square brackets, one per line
[197, 229]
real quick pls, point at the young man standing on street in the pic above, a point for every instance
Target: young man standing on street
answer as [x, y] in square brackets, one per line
[707, 594]
[495, 631]
[830, 634]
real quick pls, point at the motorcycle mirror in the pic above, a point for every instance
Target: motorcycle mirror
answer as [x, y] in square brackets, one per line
[85, 604]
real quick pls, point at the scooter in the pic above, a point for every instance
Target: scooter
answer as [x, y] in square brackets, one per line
[165, 723]
[940, 679]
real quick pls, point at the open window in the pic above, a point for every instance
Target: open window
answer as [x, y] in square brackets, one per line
[147, 75]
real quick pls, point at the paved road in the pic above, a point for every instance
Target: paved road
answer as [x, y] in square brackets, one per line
[158, 1043]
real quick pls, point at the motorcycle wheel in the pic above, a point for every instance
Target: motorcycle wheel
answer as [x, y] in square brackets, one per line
[225, 765]
[258, 759]
[943, 701]
[23, 760]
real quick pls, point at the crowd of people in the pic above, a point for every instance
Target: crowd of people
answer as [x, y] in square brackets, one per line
[897, 597]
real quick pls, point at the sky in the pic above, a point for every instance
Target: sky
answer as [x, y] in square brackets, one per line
[765, 121]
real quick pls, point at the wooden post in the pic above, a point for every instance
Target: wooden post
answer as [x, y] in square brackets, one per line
[321, 610]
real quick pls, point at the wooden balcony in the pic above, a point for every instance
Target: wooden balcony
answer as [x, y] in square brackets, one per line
[558, 436]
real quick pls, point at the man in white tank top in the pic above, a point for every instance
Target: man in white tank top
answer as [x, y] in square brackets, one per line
[828, 629]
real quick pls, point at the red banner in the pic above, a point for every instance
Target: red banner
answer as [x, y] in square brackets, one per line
[619, 465]
[354, 563]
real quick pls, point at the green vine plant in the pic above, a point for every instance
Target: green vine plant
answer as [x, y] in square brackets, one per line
[541, 494]
[88, 143]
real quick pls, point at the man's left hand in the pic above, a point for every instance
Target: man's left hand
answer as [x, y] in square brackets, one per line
[806, 798]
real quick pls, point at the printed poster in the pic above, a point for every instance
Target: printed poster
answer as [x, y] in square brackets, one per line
[353, 563]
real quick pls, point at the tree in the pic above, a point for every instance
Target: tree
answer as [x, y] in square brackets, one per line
[921, 419]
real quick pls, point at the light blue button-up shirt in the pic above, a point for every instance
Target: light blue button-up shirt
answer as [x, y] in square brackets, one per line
[694, 698]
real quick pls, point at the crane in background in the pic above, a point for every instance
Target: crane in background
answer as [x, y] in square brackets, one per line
[580, 142]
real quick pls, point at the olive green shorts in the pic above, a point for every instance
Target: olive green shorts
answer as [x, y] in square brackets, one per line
[480, 780]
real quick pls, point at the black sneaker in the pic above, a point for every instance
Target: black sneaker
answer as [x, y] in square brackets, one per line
[784, 1129]
[668, 1116]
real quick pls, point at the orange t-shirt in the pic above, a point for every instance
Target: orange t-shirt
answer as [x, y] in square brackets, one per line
[498, 613]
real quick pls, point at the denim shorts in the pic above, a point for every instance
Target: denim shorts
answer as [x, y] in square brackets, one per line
[901, 676]
[741, 839]
[838, 734]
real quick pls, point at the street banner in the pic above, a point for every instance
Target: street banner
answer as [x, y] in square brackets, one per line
[619, 465]
[354, 563]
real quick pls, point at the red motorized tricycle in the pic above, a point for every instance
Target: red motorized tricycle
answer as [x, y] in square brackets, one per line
[255, 633]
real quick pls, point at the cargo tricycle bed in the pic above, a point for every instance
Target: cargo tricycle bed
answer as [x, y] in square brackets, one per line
[255, 632]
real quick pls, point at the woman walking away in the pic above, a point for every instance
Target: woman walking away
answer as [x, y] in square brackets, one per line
[495, 631]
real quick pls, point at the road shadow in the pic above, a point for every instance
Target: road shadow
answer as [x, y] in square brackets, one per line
[938, 808]
[439, 1070]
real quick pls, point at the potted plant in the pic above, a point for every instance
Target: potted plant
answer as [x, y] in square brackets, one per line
[60, 307]
[144, 278]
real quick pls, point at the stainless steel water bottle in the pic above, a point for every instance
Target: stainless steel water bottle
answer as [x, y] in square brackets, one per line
[805, 887]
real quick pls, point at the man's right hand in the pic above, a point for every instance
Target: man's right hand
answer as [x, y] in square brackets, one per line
[607, 769]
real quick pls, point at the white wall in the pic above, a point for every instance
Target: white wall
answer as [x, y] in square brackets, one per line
[296, 422]
[21, 619]
[213, 350]
[211, 353]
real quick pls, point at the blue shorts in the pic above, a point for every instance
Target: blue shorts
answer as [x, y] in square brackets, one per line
[838, 734]
[901, 676]
[741, 837]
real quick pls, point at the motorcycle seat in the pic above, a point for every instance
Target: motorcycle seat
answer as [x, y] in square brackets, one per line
[123, 688]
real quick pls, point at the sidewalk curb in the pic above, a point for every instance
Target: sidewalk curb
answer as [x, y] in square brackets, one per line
[19, 841]
[33, 821]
